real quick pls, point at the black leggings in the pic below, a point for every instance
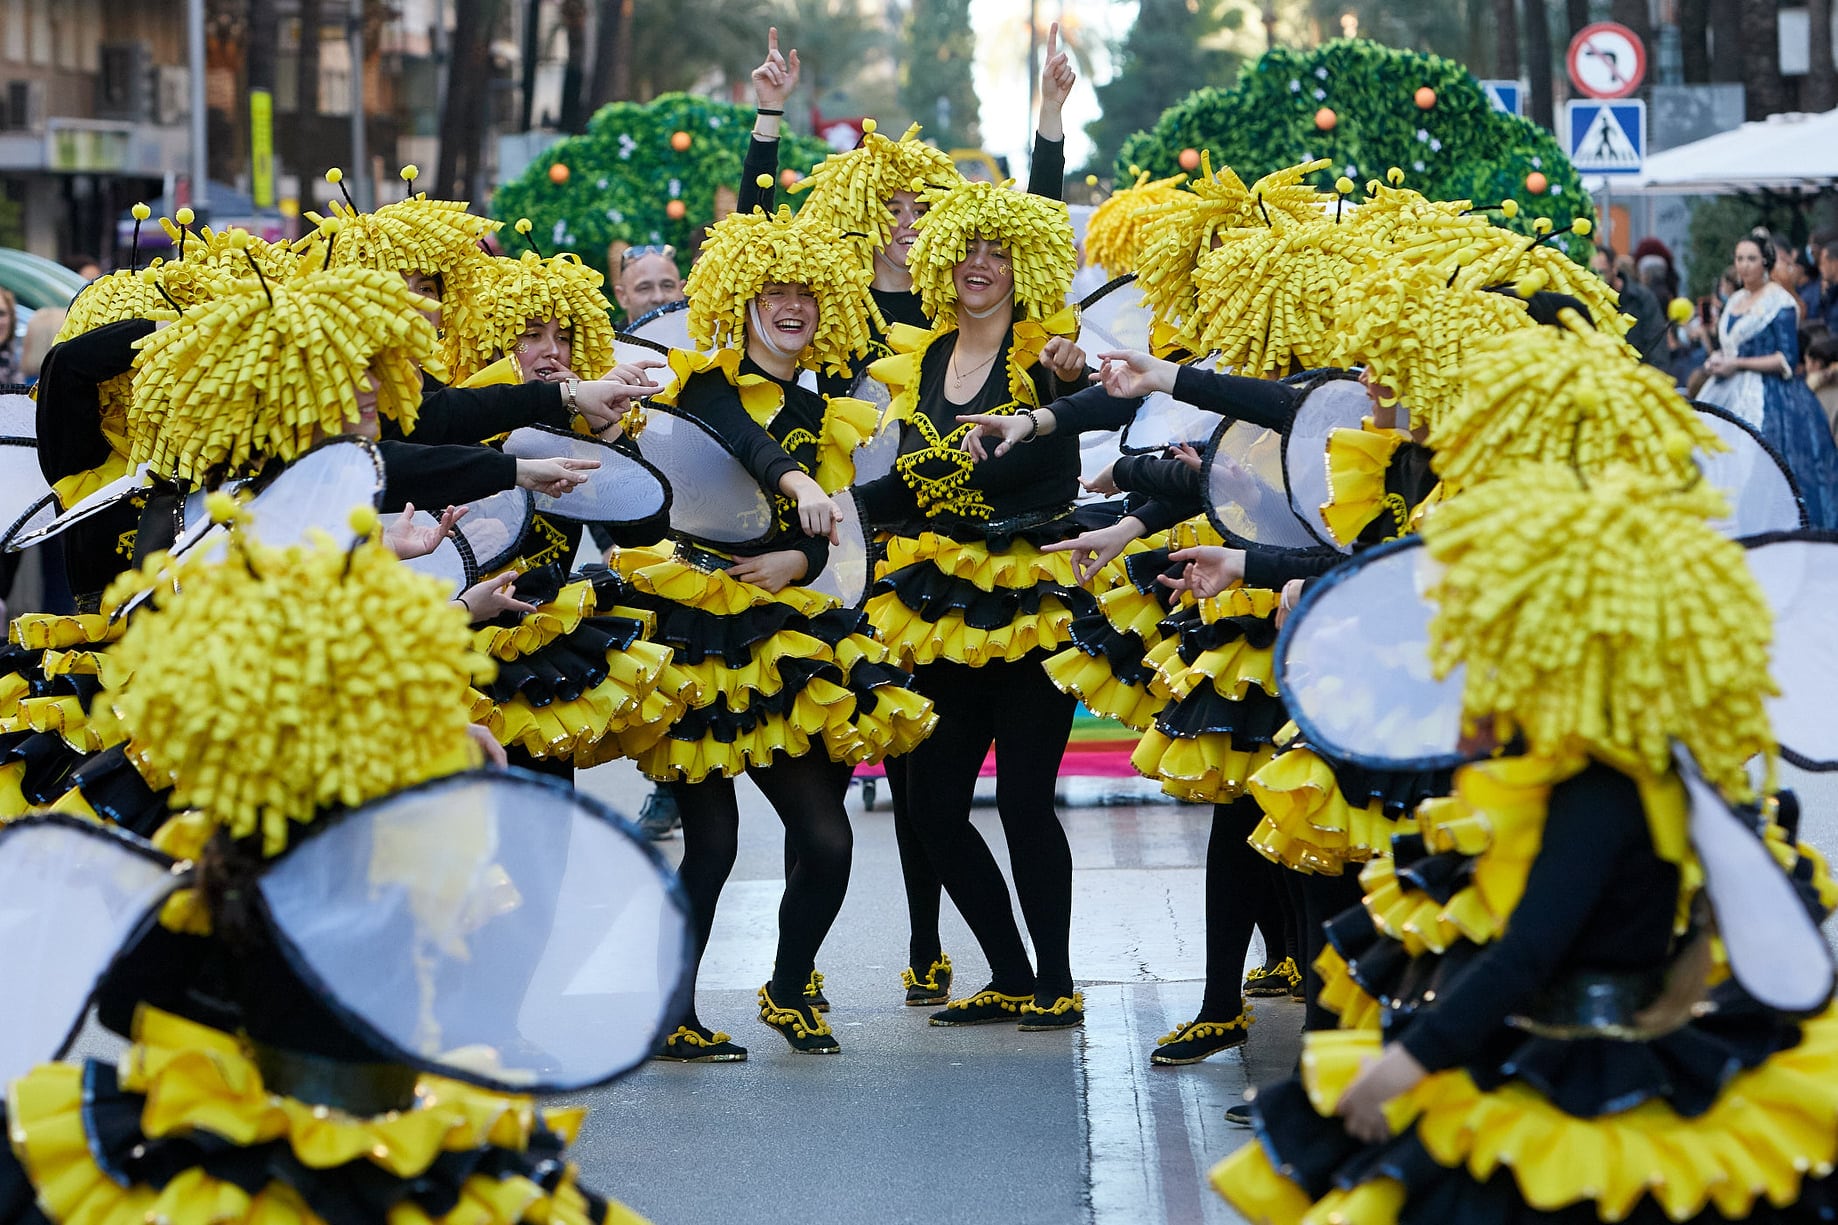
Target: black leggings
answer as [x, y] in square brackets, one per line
[1015, 707]
[924, 891]
[807, 793]
[1323, 897]
[1240, 895]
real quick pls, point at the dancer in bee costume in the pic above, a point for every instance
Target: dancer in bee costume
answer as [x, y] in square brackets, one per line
[318, 941]
[1536, 1041]
[789, 688]
[965, 595]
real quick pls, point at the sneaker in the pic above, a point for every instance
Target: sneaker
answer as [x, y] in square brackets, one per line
[700, 1045]
[984, 1007]
[1279, 979]
[933, 989]
[1197, 1040]
[813, 993]
[1065, 1012]
[658, 816]
[802, 1026]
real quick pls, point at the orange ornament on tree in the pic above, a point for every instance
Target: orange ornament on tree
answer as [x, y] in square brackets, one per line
[1535, 182]
[1426, 98]
[679, 141]
[558, 173]
[788, 176]
[1190, 159]
[1325, 119]
[675, 210]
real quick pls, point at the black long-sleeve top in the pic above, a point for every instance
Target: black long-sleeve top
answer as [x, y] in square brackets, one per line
[768, 453]
[1598, 898]
[473, 414]
[1031, 482]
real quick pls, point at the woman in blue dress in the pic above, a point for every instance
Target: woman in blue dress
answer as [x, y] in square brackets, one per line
[1753, 376]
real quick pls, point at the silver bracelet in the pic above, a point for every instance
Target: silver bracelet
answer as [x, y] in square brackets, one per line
[568, 397]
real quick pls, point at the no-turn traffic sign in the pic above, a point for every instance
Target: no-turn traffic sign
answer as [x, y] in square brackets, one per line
[1606, 60]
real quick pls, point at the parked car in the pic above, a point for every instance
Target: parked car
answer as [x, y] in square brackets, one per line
[36, 281]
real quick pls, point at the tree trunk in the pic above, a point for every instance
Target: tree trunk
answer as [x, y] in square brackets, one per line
[1506, 40]
[532, 48]
[1538, 63]
[574, 25]
[1820, 90]
[464, 119]
[1694, 40]
[1633, 14]
[1576, 16]
[1761, 60]
[1726, 40]
[611, 79]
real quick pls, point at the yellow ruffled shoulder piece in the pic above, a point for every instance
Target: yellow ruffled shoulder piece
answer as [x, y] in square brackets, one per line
[759, 395]
[559, 617]
[899, 373]
[1204, 769]
[658, 571]
[847, 424]
[1308, 824]
[79, 485]
[1356, 464]
[1031, 339]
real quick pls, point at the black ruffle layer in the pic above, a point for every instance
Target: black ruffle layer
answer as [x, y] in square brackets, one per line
[1255, 718]
[1122, 652]
[118, 793]
[566, 668]
[49, 763]
[934, 595]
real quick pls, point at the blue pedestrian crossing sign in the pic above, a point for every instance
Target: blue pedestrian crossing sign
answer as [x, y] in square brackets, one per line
[1507, 96]
[1604, 137]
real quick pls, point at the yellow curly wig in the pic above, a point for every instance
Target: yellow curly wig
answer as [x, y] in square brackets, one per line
[1264, 297]
[1566, 395]
[278, 683]
[253, 374]
[213, 262]
[745, 254]
[1177, 232]
[1410, 329]
[1037, 233]
[1604, 616]
[511, 292]
[1115, 233]
[849, 191]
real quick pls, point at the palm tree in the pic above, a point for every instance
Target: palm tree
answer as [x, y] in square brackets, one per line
[1761, 60]
[1694, 40]
[1820, 92]
[1505, 40]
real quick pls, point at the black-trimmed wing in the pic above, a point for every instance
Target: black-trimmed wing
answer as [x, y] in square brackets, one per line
[1114, 317]
[1776, 952]
[713, 498]
[846, 574]
[1331, 400]
[624, 489]
[874, 458]
[1761, 490]
[1798, 573]
[18, 415]
[104, 499]
[27, 504]
[1353, 664]
[71, 894]
[1246, 499]
[499, 928]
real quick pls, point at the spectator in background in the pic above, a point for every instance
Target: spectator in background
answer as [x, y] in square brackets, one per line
[1786, 271]
[1648, 335]
[1822, 375]
[1820, 295]
[86, 266]
[40, 332]
[1653, 249]
[646, 278]
[9, 338]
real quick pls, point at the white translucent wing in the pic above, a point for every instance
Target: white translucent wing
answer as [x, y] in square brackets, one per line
[1799, 576]
[315, 493]
[71, 893]
[713, 498]
[106, 498]
[1334, 403]
[1354, 666]
[18, 415]
[499, 928]
[874, 458]
[493, 528]
[1246, 498]
[26, 502]
[1775, 950]
[1114, 317]
[845, 575]
[667, 326]
[445, 563]
[1760, 489]
[624, 489]
[1163, 421]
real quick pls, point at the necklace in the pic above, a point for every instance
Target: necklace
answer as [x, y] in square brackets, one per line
[958, 376]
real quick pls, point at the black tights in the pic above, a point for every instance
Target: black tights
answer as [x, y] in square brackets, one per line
[924, 891]
[1323, 897]
[1015, 707]
[807, 793]
[1239, 896]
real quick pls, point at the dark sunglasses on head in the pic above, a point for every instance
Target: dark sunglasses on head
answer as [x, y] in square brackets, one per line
[656, 248]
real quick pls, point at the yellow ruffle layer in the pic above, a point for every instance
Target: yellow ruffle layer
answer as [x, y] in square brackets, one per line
[1206, 769]
[196, 1079]
[1090, 679]
[1308, 824]
[658, 571]
[914, 640]
[559, 617]
[1357, 461]
[1771, 1126]
[51, 632]
[88, 731]
[1020, 567]
[1232, 669]
[1343, 996]
[643, 689]
[819, 715]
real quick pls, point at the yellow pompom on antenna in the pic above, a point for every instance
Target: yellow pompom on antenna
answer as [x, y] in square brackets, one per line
[1679, 311]
[1395, 176]
[222, 507]
[363, 520]
[410, 173]
[869, 126]
[185, 216]
[335, 176]
[762, 181]
[1509, 208]
[1582, 227]
[1091, 180]
[1541, 226]
[141, 212]
[1343, 185]
[524, 225]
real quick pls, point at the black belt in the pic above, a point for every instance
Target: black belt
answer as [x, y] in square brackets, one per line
[701, 558]
[356, 1088]
[1594, 1004]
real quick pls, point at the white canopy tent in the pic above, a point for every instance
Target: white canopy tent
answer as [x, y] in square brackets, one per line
[1781, 153]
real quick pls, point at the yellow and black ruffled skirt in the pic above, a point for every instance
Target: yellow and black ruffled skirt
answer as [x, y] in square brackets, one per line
[1106, 667]
[972, 602]
[184, 1132]
[1214, 669]
[769, 674]
[578, 680]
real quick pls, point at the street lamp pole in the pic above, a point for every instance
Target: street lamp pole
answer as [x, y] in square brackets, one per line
[360, 155]
[200, 163]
